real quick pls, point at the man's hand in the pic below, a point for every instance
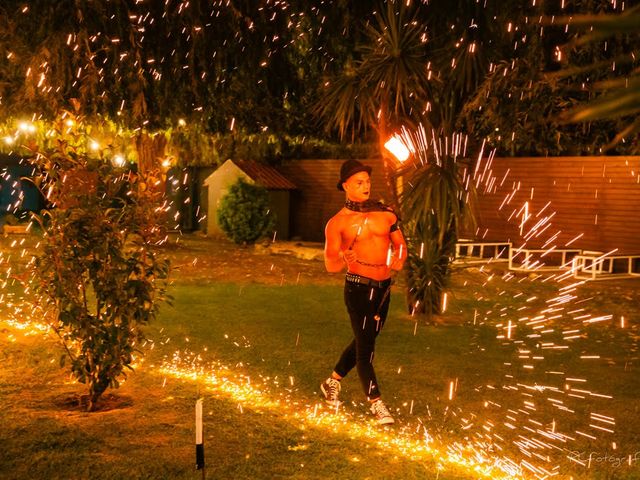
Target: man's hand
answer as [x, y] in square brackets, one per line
[349, 256]
[397, 264]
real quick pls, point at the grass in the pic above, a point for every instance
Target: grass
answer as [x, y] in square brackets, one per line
[149, 432]
[286, 339]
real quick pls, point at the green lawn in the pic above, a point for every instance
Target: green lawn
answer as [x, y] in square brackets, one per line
[262, 351]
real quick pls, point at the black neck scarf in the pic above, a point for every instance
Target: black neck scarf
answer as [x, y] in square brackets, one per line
[367, 206]
[355, 206]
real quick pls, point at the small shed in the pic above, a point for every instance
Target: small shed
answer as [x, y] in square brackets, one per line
[278, 186]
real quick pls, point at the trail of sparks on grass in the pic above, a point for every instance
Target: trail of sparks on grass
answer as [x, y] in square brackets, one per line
[413, 445]
[413, 442]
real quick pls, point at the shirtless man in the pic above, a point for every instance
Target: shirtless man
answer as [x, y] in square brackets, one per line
[365, 237]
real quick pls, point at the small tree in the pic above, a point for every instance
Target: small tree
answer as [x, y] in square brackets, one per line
[97, 274]
[437, 204]
[244, 214]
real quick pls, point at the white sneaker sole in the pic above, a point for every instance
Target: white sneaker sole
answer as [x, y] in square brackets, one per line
[386, 421]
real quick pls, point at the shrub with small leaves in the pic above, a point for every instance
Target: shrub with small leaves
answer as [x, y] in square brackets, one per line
[244, 214]
[97, 278]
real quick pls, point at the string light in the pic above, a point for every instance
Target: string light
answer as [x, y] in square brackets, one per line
[118, 161]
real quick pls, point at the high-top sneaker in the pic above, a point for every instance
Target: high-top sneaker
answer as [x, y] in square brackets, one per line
[381, 412]
[331, 389]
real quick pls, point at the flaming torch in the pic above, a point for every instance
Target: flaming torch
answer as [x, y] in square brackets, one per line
[398, 148]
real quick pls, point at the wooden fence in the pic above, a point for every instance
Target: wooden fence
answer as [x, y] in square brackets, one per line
[587, 202]
[582, 202]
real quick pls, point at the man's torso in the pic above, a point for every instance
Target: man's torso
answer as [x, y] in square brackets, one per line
[367, 234]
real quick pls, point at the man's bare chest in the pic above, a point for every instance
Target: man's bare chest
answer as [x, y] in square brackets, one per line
[365, 226]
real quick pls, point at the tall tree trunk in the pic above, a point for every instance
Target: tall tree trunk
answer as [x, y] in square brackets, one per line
[151, 151]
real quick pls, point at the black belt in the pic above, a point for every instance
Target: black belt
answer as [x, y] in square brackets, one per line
[369, 282]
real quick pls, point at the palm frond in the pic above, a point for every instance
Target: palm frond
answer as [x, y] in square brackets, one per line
[604, 24]
[630, 130]
[394, 58]
[346, 106]
[438, 193]
[618, 102]
[389, 83]
[572, 71]
[621, 96]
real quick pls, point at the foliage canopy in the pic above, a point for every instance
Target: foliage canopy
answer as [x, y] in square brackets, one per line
[282, 68]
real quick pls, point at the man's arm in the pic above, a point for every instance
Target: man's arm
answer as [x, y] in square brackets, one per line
[333, 260]
[399, 250]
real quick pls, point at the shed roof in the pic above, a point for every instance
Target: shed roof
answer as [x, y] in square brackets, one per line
[265, 175]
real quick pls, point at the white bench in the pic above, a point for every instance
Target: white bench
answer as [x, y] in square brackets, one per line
[539, 259]
[582, 264]
[602, 266]
[469, 251]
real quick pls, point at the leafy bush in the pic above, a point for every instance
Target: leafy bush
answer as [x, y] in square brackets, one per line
[244, 214]
[428, 268]
[438, 203]
[97, 277]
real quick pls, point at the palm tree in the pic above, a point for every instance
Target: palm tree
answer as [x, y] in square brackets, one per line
[394, 83]
[437, 205]
[386, 86]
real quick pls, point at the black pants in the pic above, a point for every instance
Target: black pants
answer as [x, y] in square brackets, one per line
[363, 304]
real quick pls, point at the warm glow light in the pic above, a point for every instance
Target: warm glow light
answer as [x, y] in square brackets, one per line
[69, 122]
[218, 379]
[397, 148]
[166, 163]
[8, 140]
[26, 127]
[118, 161]
[93, 145]
[182, 122]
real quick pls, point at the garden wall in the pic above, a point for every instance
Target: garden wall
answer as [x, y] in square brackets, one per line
[591, 202]
[594, 198]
